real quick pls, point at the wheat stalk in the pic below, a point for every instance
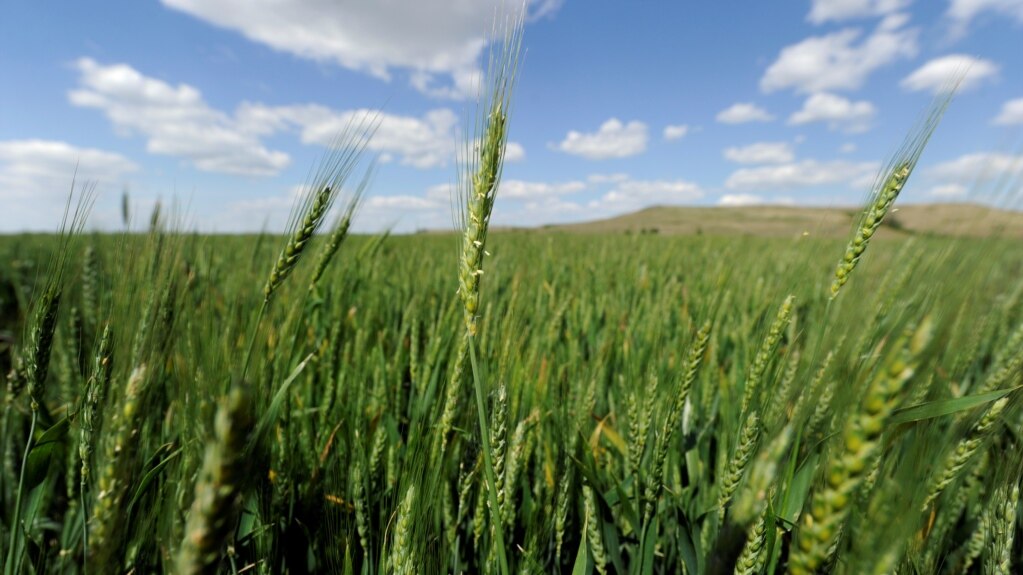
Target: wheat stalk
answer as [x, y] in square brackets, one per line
[95, 391]
[403, 558]
[218, 491]
[106, 526]
[998, 560]
[746, 445]
[887, 189]
[593, 534]
[340, 232]
[852, 462]
[33, 368]
[764, 354]
[964, 451]
[752, 557]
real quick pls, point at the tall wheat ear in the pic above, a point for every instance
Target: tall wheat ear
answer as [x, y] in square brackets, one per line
[889, 185]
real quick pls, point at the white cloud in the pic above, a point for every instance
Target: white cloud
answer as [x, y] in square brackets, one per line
[621, 192]
[823, 11]
[807, 173]
[740, 200]
[600, 179]
[520, 204]
[175, 120]
[28, 167]
[678, 132]
[514, 190]
[938, 74]
[1012, 113]
[549, 209]
[36, 177]
[838, 112]
[532, 203]
[402, 213]
[541, 211]
[761, 153]
[520, 190]
[439, 42]
[989, 175]
[544, 9]
[401, 202]
[962, 12]
[742, 113]
[613, 140]
[514, 152]
[441, 192]
[847, 148]
[635, 194]
[423, 142]
[270, 212]
[948, 191]
[977, 167]
[837, 61]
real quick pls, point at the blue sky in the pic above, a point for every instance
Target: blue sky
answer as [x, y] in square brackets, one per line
[224, 105]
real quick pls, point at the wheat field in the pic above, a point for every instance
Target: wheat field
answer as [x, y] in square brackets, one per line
[508, 402]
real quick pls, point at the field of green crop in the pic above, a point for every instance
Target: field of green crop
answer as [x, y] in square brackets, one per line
[528, 402]
[654, 404]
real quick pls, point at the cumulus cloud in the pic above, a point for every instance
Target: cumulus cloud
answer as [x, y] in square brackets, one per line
[520, 190]
[822, 11]
[991, 176]
[532, 203]
[539, 9]
[742, 113]
[742, 200]
[614, 194]
[400, 202]
[1012, 113]
[174, 120]
[401, 213]
[541, 211]
[961, 13]
[428, 141]
[840, 60]
[948, 191]
[514, 152]
[511, 189]
[977, 167]
[36, 176]
[437, 42]
[837, 112]
[804, 174]
[518, 199]
[673, 132]
[733, 200]
[937, 74]
[28, 168]
[761, 153]
[621, 193]
[631, 195]
[535, 202]
[600, 179]
[613, 140]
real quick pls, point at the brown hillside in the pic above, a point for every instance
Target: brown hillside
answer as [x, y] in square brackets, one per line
[782, 221]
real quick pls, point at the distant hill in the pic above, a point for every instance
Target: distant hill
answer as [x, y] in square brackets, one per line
[787, 221]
